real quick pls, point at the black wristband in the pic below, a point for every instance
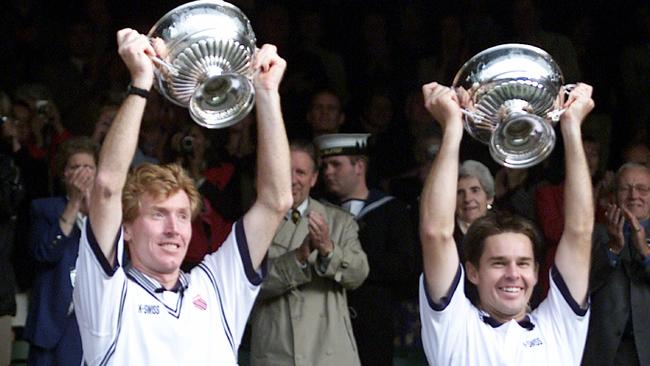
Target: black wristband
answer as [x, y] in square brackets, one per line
[137, 91]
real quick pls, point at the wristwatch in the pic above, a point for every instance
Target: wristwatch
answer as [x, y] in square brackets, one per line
[137, 91]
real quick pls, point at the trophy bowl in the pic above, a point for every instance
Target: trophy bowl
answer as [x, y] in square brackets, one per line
[511, 97]
[208, 47]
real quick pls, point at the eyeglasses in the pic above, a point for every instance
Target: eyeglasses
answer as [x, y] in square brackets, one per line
[643, 190]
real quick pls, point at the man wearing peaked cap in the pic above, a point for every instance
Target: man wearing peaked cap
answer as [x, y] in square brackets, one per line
[386, 235]
[342, 144]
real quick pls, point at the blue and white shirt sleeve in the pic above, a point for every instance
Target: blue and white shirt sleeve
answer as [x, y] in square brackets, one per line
[99, 294]
[562, 319]
[443, 324]
[231, 273]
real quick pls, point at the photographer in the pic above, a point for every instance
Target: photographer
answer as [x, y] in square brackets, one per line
[195, 152]
[40, 127]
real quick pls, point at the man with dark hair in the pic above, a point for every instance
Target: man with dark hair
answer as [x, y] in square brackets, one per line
[386, 235]
[325, 114]
[301, 315]
[503, 261]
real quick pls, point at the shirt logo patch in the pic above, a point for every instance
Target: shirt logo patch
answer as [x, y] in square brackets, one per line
[199, 302]
[148, 309]
[533, 343]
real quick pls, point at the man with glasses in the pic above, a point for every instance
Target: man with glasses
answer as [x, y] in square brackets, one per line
[619, 331]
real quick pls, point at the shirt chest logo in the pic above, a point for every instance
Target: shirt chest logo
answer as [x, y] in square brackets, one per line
[149, 309]
[200, 303]
[533, 343]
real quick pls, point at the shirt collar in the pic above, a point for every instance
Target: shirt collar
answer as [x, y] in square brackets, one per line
[302, 208]
[154, 286]
[524, 323]
[353, 206]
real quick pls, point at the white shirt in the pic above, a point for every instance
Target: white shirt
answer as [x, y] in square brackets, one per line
[456, 333]
[124, 320]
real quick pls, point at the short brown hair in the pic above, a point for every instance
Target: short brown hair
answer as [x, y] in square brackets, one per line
[494, 224]
[160, 181]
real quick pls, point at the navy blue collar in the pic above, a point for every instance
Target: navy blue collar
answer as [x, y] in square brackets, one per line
[524, 323]
[153, 285]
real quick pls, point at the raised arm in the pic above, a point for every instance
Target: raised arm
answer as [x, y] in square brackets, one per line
[273, 176]
[120, 143]
[574, 250]
[438, 201]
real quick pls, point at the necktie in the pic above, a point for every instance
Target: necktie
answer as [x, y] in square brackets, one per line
[295, 216]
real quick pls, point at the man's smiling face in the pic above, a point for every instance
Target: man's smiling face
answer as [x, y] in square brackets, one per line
[506, 275]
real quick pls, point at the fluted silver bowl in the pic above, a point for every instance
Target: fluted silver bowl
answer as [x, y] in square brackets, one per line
[209, 45]
[511, 95]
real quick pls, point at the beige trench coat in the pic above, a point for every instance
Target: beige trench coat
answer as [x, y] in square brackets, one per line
[301, 315]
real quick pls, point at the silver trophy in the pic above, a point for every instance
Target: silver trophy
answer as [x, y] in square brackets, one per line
[206, 64]
[511, 96]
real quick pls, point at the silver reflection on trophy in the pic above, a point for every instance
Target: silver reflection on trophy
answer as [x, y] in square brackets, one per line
[511, 97]
[205, 66]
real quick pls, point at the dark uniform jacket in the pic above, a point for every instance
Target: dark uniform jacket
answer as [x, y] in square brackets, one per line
[387, 236]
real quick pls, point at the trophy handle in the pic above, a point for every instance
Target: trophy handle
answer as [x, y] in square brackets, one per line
[477, 118]
[161, 63]
[171, 69]
[565, 90]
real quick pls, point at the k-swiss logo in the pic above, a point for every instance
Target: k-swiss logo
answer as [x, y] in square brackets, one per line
[199, 302]
[533, 343]
[149, 309]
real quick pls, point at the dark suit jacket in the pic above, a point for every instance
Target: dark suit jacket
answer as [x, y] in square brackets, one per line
[617, 292]
[56, 255]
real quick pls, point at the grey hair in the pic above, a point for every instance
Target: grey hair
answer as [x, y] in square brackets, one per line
[626, 166]
[472, 168]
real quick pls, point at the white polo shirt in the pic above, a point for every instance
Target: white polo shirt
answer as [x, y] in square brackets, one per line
[457, 333]
[125, 318]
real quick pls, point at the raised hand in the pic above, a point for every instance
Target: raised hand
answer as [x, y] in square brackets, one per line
[269, 68]
[638, 234]
[578, 104]
[303, 251]
[442, 103]
[79, 183]
[136, 52]
[319, 234]
[615, 222]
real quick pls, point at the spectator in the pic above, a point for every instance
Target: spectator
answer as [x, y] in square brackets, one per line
[56, 224]
[326, 114]
[301, 315]
[474, 198]
[620, 280]
[386, 235]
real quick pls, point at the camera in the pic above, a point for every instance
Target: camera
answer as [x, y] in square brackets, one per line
[42, 106]
[187, 144]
